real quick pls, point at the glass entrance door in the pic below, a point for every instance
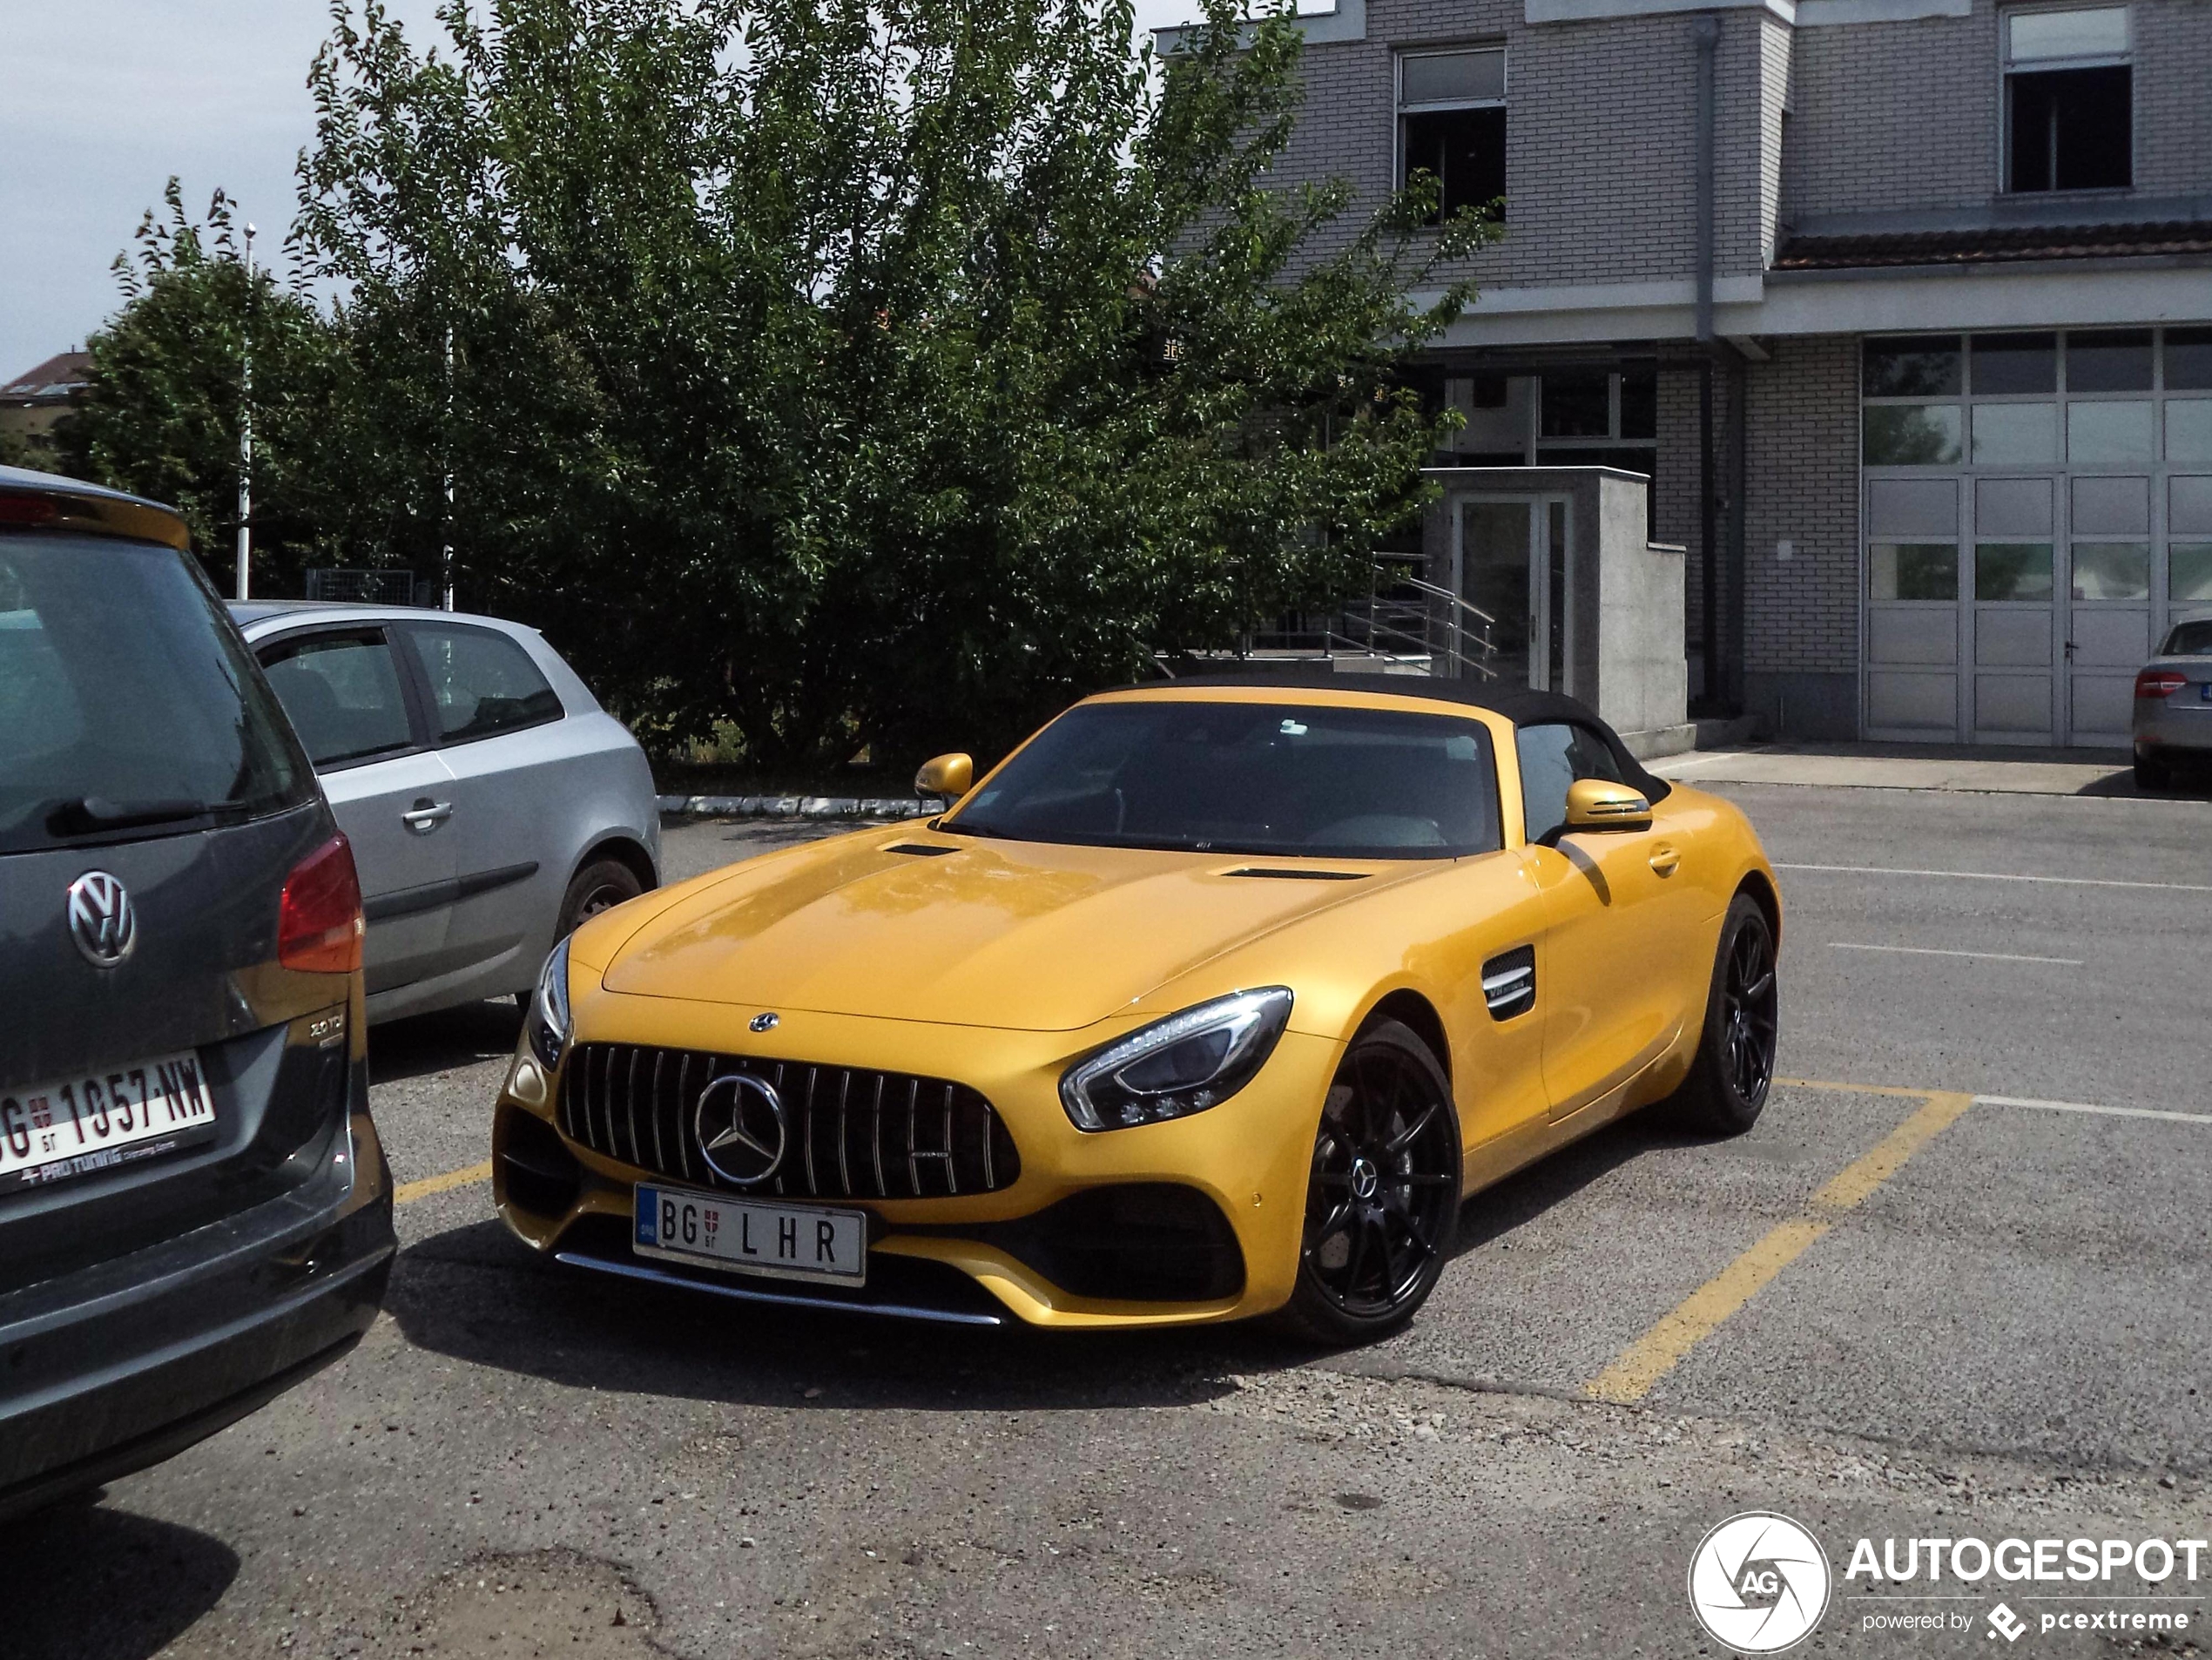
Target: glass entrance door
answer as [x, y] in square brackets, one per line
[1512, 556]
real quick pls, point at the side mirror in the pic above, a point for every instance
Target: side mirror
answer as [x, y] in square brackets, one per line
[1594, 804]
[949, 776]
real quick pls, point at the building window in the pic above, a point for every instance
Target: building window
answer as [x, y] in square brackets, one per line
[1452, 124]
[2069, 100]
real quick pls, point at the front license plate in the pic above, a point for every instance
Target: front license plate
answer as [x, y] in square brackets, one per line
[76, 1125]
[789, 1241]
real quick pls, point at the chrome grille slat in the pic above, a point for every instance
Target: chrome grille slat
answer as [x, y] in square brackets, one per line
[806, 1120]
[952, 1164]
[630, 1104]
[913, 1158]
[609, 1088]
[652, 1110]
[683, 1094]
[875, 1137]
[844, 1161]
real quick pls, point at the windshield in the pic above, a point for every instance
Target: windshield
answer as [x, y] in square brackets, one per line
[127, 703]
[2189, 639]
[1252, 778]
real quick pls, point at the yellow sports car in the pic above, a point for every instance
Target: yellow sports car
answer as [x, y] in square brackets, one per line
[1215, 999]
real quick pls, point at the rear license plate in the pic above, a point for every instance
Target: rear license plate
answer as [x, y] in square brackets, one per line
[76, 1125]
[2204, 692]
[788, 1241]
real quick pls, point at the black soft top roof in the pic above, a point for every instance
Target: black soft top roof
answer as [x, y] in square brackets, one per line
[1523, 705]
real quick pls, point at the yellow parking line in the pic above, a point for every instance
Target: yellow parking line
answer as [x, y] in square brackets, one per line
[1652, 1356]
[406, 1193]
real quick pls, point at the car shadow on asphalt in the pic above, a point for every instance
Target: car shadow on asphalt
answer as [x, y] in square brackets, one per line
[475, 1294]
[2186, 785]
[95, 1583]
[1521, 1198]
[441, 1042]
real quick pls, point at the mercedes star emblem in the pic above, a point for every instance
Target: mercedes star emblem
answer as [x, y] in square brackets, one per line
[101, 919]
[739, 1121]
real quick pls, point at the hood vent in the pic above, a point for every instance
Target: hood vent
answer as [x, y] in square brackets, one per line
[921, 849]
[1279, 874]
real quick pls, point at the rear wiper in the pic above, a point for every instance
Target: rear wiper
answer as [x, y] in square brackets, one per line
[86, 816]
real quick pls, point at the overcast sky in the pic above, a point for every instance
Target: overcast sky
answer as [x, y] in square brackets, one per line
[102, 101]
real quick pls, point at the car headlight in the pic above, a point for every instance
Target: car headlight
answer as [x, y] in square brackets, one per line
[1177, 1066]
[549, 1026]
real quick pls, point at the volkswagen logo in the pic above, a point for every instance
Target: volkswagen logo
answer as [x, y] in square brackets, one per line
[101, 919]
[739, 1121]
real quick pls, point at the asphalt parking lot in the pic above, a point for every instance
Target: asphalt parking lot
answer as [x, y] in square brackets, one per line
[1954, 1283]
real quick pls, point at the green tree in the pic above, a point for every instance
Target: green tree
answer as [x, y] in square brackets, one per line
[162, 414]
[855, 370]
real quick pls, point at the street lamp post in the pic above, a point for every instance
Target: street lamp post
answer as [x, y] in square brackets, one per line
[246, 433]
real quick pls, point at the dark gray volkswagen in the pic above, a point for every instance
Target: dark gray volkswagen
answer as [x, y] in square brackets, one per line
[195, 1213]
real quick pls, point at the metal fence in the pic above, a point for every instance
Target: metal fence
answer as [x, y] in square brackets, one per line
[386, 587]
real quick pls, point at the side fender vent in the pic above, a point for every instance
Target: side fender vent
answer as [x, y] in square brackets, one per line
[1509, 982]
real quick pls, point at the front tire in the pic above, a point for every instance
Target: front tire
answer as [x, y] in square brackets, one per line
[1728, 1081]
[1382, 1199]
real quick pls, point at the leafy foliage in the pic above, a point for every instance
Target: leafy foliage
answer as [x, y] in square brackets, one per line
[162, 415]
[848, 370]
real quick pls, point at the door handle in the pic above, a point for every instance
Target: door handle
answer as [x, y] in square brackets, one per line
[1664, 859]
[427, 815]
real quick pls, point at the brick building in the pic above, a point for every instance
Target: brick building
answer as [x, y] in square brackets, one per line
[1906, 307]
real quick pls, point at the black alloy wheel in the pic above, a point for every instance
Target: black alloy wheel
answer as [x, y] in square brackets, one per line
[1728, 1083]
[1383, 1196]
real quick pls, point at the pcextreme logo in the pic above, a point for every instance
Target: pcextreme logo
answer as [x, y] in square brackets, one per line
[1759, 1583]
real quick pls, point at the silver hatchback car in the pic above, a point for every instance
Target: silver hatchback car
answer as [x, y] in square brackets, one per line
[492, 804]
[2173, 702]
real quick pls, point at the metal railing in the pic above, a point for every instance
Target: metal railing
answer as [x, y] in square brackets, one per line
[1404, 621]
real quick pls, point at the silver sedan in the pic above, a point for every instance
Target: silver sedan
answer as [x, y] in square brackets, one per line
[492, 804]
[2173, 702]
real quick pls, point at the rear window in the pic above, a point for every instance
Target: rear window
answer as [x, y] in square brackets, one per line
[481, 683]
[2189, 639]
[128, 705]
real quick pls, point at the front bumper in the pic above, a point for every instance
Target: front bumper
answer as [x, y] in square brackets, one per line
[1085, 1236]
[118, 1366]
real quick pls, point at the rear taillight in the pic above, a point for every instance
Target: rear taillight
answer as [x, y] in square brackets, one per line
[18, 508]
[2158, 683]
[319, 926]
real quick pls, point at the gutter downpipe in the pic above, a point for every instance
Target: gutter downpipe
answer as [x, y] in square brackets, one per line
[1705, 36]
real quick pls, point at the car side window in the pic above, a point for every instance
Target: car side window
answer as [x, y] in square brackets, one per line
[481, 683]
[342, 693]
[1554, 754]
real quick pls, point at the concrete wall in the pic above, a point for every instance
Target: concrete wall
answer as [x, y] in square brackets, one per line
[1627, 609]
[1642, 677]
